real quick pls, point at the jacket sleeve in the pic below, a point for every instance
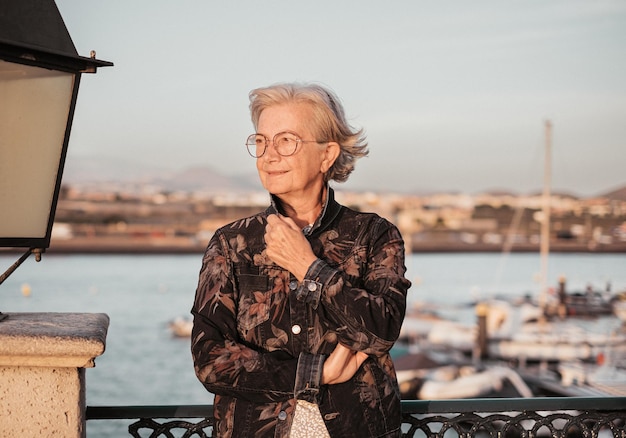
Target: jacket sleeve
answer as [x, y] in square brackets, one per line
[222, 362]
[364, 299]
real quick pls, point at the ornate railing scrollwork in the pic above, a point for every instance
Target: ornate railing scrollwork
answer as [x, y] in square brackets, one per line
[524, 424]
[555, 417]
[202, 429]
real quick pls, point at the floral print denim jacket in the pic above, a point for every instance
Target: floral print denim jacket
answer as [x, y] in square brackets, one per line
[260, 337]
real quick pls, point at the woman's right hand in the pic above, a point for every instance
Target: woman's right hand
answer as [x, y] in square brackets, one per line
[341, 365]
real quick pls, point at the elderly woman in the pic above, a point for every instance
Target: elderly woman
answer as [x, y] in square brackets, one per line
[297, 307]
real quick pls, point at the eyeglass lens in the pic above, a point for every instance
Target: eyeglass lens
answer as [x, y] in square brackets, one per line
[284, 142]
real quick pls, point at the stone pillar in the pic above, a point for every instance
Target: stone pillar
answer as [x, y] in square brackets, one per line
[43, 357]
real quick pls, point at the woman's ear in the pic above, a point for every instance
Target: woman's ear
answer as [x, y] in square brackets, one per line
[331, 153]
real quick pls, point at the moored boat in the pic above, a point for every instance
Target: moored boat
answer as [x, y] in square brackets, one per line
[180, 327]
[427, 377]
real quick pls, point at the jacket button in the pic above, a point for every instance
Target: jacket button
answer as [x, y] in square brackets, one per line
[312, 287]
[282, 415]
[296, 329]
[293, 285]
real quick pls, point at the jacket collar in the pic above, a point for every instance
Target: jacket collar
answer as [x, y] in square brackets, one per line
[329, 212]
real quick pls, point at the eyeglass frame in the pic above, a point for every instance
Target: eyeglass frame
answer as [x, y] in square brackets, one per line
[267, 143]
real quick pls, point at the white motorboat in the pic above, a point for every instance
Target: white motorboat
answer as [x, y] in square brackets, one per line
[181, 327]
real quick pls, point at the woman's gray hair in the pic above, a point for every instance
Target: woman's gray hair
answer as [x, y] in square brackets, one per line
[328, 121]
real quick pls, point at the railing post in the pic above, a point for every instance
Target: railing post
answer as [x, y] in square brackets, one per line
[43, 357]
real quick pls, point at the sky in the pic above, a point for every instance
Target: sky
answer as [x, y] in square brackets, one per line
[453, 95]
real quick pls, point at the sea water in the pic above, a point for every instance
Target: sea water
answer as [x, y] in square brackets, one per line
[145, 365]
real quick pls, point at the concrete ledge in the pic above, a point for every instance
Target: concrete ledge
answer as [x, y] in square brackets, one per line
[52, 339]
[43, 357]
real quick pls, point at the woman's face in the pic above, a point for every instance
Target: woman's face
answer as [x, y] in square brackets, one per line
[301, 174]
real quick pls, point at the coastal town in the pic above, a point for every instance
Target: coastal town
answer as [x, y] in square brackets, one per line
[112, 219]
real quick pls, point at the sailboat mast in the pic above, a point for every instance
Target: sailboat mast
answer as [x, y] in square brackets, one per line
[545, 223]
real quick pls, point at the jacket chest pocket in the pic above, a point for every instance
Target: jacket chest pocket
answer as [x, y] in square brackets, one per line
[254, 301]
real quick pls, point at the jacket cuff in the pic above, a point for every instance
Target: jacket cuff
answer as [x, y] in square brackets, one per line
[310, 290]
[308, 376]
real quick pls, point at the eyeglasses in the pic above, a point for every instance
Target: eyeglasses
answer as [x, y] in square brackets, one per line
[286, 144]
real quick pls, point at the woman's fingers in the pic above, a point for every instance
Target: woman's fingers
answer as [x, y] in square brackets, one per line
[341, 365]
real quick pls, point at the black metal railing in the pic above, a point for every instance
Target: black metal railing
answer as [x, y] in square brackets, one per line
[557, 417]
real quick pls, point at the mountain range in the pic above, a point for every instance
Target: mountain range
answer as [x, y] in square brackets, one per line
[83, 171]
[102, 171]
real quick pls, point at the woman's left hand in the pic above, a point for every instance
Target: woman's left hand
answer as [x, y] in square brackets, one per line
[341, 365]
[287, 246]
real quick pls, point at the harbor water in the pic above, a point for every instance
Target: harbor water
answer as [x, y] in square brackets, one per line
[145, 365]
